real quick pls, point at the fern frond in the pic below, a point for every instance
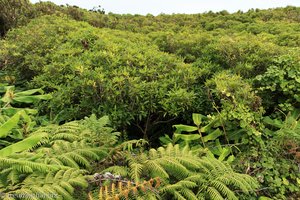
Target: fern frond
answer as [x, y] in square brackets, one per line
[153, 154]
[178, 186]
[224, 190]
[75, 154]
[174, 167]
[68, 161]
[57, 163]
[188, 194]
[178, 196]
[185, 175]
[54, 184]
[41, 193]
[244, 183]
[155, 169]
[65, 136]
[78, 158]
[190, 162]
[214, 193]
[62, 192]
[25, 194]
[28, 166]
[201, 196]
[218, 177]
[10, 176]
[135, 170]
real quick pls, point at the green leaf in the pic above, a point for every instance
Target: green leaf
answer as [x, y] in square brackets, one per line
[197, 118]
[11, 111]
[29, 92]
[4, 87]
[188, 137]
[9, 124]
[7, 98]
[225, 152]
[206, 128]
[165, 139]
[277, 123]
[230, 159]
[212, 136]
[186, 128]
[285, 181]
[25, 144]
[32, 99]
[4, 143]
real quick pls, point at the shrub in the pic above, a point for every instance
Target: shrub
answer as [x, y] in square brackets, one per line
[279, 85]
[237, 104]
[14, 13]
[102, 71]
[184, 174]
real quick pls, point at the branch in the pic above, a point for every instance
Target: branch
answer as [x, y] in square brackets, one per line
[137, 125]
[164, 122]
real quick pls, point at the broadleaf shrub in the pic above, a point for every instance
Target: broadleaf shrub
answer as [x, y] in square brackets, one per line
[279, 86]
[102, 71]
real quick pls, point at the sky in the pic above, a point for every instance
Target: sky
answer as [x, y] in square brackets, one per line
[175, 6]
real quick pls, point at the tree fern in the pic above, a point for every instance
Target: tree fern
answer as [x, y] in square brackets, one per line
[216, 179]
[135, 170]
[58, 159]
[75, 154]
[27, 166]
[54, 184]
[185, 175]
[181, 190]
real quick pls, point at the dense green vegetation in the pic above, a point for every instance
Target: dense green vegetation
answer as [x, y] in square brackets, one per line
[108, 106]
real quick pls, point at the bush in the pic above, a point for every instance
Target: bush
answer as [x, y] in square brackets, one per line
[279, 85]
[14, 13]
[237, 104]
[102, 71]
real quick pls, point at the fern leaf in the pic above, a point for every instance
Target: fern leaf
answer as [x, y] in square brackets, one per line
[224, 190]
[135, 171]
[79, 159]
[7, 162]
[156, 169]
[189, 194]
[67, 186]
[214, 194]
[61, 191]
[178, 196]
[153, 154]
[174, 167]
[191, 163]
[66, 160]
[41, 193]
